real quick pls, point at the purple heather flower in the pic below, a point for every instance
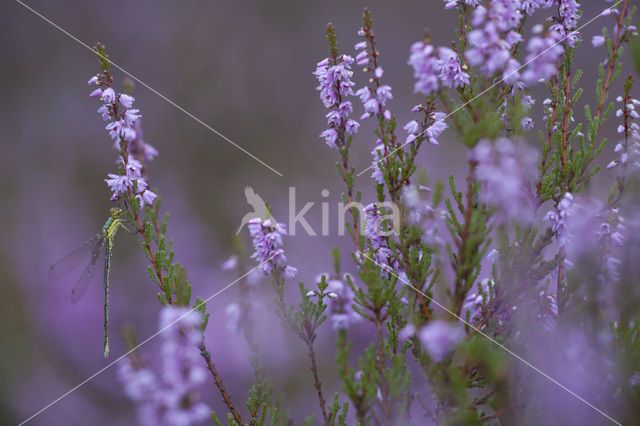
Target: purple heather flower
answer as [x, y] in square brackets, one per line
[628, 148]
[426, 68]
[126, 100]
[435, 130]
[439, 338]
[183, 366]
[267, 244]
[378, 157]
[340, 301]
[474, 300]
[431, 133]
[234, 317]
[170, 398]
[146, 197]
[529, 6]
[130, 117]
[451, 73]
[351, 126]
[407, 332]
[527, 123]
[108, 95]
[493, 36]
[139, 148]
[543, 53]
[412, 127]
[454, 3]
[231, 263]
[335, 85]
[330, 136]
[548, 310]
[505, 170]
[104, 112]
[383, 94]
[133, 169]
[119, 184]
[559, 217]
[377, 233]
[597, 41]
[570, 13]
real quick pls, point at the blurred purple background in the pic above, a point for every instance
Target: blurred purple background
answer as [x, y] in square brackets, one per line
[245, 69]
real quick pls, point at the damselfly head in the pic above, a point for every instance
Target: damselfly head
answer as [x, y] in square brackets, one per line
[115, 212]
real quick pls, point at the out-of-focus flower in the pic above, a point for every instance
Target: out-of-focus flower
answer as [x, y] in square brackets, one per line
[231, 263]
[439, 338]
[543, 51]
[505, 170]
[559, 219]
[493, 36]
[171, 398]
[435, 67]
[426, 68]
[474, 300]
[340, 301]
[597, 41]
[548, 310]
[234, 317]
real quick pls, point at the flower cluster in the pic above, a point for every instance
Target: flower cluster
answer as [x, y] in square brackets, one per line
[493, 37]
[335, 85]
[629, 147]
[610, 236]
[472, 306]
[377, 233]
[374, 99]
[569, 14]
[505, 170]
[267, 244]
[543, 51]
[170, 398]
[431, 132]
[559, 218]
[124, 130]
[454, 3]
[547, 310]
[340, 300]
[379, 154]
[530, 6]
[435, 67]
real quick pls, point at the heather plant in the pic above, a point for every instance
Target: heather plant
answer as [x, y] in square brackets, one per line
[479, 297]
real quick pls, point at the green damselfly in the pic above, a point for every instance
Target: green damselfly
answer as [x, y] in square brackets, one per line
[93, 251]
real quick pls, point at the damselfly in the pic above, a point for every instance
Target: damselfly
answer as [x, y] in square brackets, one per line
[98, 248]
